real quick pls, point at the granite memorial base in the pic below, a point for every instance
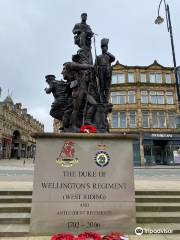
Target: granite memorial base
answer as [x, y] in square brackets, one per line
[83, 182]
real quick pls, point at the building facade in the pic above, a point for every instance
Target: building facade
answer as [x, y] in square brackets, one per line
[56, 126]
[145, 103]
[16, 129]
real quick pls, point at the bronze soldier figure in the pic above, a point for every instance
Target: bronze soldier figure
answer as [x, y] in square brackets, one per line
[82, 97]
[103, 62]
[83, 33]
[78, 75]
[82, 38]
[62, 93]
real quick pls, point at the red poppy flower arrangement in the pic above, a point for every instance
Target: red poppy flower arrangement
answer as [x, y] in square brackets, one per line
[115, 236]
[89, 236]
[63, 236]
[88, 129]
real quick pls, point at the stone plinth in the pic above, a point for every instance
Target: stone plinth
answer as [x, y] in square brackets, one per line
[83, 182]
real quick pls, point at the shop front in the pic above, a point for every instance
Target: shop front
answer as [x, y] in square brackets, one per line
[6, 148]
[161, 149]
[31, 151]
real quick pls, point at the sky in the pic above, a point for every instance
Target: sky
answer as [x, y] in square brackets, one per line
[36, 39]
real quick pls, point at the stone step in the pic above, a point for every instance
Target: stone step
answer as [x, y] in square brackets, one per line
[140, 207]
[158, 199]
[139, 198]
[15, 207]
[14, 192]
[156, 192]
[158, 217]
[14, 218]
[157, 207]
[14, 230]
[161, 208]
[15, 199]
[137, 192]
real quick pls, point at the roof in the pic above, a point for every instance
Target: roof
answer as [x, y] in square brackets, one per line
[154, 64]
[9, 100]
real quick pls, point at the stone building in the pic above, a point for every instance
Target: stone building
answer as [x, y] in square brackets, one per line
[16, 127]
[56, 126]
[145, 103]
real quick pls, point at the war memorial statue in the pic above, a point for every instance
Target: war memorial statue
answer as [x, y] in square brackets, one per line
[82, 97]
[83, 182]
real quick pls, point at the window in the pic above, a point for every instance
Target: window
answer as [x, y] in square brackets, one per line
[160, 97]
[169, 98]
[155, 119]
[144, 97]
[118, 97]
[152, 78]
[114, 98]
[119, 120]
[155, 77]
[121, 78]
[122, 97]
[114, 79]
[162, 120]
[118, 78]
[131, 97]
[122, 123]
[157, 97]
[147, 150]
[172, 119]
[132, 119]
[145, 119]
[158, 78]
[158, 119]
[168, 78]
[130, 77]
[115, 120]
[143, 77]
[153, 97]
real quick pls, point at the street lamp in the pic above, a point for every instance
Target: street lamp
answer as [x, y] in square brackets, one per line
[160, 20]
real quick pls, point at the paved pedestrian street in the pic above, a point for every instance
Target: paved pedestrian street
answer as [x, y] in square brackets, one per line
[19, 174]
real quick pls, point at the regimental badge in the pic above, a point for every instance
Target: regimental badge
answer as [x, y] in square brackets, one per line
[102, 158]
[67, 155]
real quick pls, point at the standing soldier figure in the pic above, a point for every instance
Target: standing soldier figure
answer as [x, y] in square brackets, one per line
[82, 37]
[103, 62]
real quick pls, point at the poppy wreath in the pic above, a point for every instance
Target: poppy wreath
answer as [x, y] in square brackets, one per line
[82, 236]
[114, 236]
[63, 236]
[88, 129]
[90, 236]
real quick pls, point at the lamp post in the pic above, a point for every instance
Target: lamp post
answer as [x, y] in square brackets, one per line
[159, 20]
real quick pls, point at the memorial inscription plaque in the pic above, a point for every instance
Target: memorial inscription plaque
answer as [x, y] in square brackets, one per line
[83, 182]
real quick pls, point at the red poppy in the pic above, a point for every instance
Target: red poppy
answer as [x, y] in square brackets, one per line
[63, 236]
[114, 236]
[88, 129]
[90, 236]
